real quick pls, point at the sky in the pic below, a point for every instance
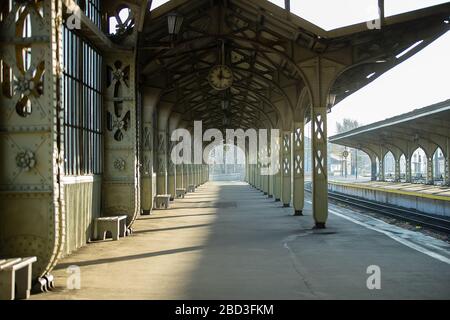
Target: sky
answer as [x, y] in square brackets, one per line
[418, 82]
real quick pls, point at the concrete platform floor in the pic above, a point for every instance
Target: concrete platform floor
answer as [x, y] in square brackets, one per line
[229, 241]
[416, 189]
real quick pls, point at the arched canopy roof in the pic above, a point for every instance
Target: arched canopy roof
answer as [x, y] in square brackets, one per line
[428, 128]
[266, 48]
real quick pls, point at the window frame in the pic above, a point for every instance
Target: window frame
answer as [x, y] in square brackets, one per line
[82, 91]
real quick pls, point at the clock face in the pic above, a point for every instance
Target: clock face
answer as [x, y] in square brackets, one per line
[220, 77]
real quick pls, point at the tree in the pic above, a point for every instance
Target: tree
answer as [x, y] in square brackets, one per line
[346, 125]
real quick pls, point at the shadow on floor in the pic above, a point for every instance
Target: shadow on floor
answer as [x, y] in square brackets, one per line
[173, 228]
[127, 258]
[177, 216]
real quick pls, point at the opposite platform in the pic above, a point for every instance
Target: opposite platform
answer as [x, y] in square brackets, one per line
[434, 200]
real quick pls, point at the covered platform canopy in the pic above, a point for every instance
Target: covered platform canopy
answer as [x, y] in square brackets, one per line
[285, 72]
[427, 128]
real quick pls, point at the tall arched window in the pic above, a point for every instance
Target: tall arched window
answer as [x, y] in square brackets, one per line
[402, 168]
[82, 96]
[418, 166]
[438, 165]
[389, 166]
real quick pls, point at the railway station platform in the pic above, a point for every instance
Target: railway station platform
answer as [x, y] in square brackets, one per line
[431, 199]
[414, 189]
[229, 241]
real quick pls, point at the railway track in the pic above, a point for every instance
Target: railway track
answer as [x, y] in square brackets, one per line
[412, 216]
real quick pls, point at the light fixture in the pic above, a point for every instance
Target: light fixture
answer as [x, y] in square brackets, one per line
[174, 21]
[331, 99]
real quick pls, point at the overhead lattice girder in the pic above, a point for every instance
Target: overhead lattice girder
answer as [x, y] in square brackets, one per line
[235, 107]
[187, 79]
[254, 76]
[196, 97]
[257, 56]
[238, 111]
[199, 96]
[376, 53]
[287, 26]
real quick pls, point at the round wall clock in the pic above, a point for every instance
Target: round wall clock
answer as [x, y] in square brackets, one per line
[220, 77]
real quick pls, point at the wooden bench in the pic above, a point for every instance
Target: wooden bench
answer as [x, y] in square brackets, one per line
[162, 201]
[15, 278]
[180, 192]
[191, 188]
[117, 225]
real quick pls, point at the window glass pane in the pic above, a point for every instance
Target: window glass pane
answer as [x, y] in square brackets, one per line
[82, 105]
[91, 9]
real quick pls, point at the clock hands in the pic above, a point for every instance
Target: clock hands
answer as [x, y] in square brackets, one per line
[221, 77]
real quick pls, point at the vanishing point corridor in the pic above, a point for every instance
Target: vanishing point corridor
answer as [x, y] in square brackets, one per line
[229, 241]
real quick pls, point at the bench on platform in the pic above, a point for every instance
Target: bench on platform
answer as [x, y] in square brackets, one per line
[15, 278]
[117, 225]
[162, 201]
[191, 188]
[180, 192]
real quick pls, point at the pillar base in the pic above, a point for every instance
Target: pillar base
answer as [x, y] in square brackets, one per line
[276, 199]
[50, 281]
[265, 193]
[39, 285]
[270, 196]
[298, 213]
[285, 205]
[145, 212]
[320, 225]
